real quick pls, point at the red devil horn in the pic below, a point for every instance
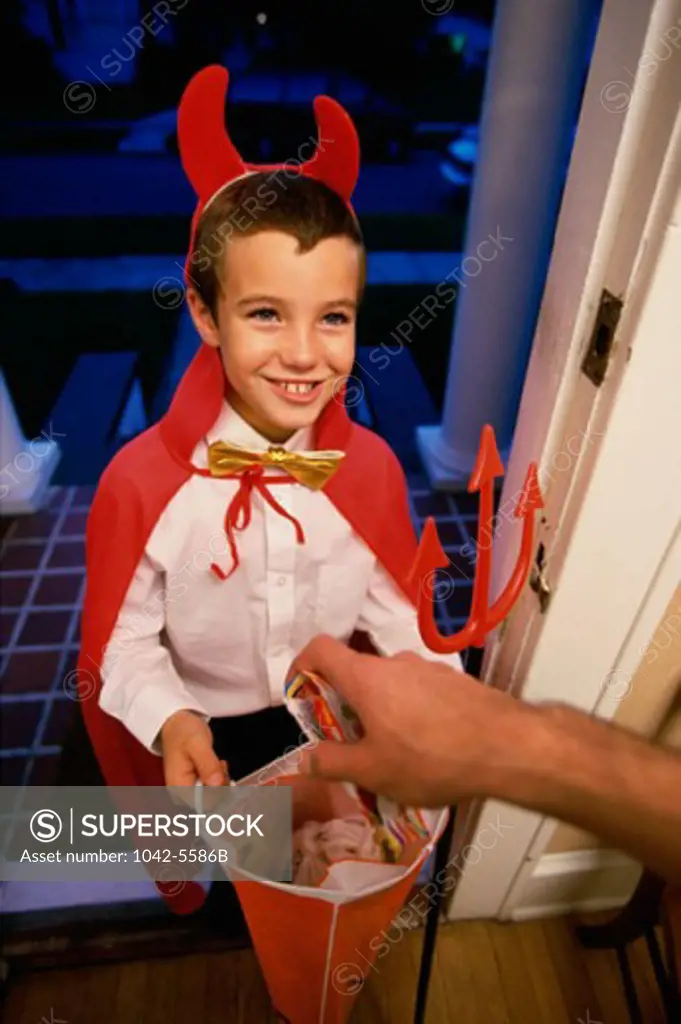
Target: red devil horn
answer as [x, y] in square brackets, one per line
[336, 159]
[208, 156]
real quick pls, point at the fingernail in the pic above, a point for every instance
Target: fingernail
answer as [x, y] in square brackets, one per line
[216, 779]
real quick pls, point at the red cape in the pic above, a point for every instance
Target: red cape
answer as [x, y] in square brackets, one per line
[369, 490]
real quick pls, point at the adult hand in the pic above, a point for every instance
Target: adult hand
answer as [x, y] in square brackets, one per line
[432, 735]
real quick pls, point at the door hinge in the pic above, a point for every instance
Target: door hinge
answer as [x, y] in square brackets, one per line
[538, 581]
[597, 356]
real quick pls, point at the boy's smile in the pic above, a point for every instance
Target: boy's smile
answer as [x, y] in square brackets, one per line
[296, 391]
[285, 327]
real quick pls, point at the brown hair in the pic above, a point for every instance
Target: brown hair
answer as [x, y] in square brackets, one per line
[267, 201]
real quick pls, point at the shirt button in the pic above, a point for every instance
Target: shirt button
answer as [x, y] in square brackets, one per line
[281, 582]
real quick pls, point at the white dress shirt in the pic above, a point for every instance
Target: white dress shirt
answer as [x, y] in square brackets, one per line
[185, 639]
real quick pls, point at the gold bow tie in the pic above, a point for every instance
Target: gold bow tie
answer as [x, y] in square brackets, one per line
[310, 468]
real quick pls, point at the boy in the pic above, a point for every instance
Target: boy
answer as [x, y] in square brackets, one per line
[300, 517]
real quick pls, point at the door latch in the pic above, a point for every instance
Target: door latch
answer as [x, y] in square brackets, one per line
[597, 356]
[538, 581]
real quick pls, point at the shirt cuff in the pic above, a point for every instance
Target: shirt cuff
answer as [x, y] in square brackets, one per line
[151, 709]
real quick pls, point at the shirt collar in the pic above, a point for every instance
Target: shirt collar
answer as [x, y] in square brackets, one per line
[233, 428]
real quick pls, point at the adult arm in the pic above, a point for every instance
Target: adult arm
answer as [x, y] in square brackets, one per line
[434, 736]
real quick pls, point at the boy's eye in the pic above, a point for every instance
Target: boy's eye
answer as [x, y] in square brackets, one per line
[265, 313]
[335, 319]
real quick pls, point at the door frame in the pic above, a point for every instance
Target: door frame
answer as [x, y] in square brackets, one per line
[616, 231]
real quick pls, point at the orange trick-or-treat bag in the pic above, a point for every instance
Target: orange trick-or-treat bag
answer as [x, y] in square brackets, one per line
[317, 944]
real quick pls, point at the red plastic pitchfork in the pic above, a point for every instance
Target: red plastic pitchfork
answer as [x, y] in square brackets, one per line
[430, 556]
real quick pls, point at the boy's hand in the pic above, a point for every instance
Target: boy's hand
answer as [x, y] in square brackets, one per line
[188, 754]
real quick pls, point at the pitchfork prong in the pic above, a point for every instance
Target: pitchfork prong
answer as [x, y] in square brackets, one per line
[431, 556]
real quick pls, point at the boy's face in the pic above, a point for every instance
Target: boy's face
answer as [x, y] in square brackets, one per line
[285, 327]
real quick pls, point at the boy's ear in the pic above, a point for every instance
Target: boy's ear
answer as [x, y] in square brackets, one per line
[203, 319]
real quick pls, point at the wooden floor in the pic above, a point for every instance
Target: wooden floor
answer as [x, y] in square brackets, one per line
[485, 973]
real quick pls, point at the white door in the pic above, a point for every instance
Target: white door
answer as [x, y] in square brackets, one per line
[609, 449]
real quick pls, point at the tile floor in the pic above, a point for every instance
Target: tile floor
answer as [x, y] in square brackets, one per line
[42, 571]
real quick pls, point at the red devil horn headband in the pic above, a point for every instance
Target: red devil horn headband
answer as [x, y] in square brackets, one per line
[211, 161]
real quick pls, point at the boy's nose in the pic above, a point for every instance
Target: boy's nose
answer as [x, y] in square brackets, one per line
[300, 350]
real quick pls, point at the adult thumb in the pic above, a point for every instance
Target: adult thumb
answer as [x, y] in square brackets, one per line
[339, 762]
